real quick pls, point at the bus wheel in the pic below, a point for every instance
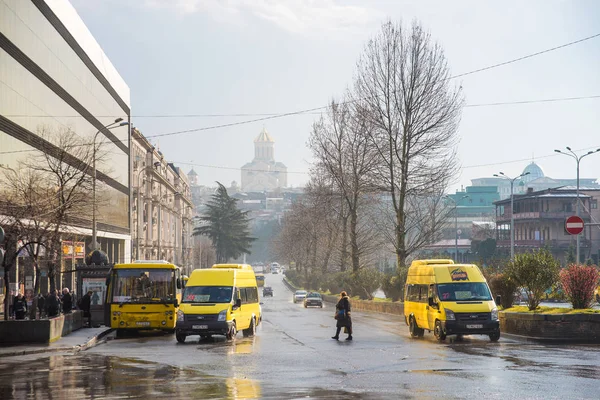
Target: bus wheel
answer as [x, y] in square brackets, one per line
[494, 337]
[180, 337]
[414, 329]
[251, 329]
[439, 332]
[232, 332]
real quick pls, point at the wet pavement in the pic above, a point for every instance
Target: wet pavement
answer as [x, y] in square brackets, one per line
[292, 356]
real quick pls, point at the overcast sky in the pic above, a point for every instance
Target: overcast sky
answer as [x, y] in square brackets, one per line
[190, 57]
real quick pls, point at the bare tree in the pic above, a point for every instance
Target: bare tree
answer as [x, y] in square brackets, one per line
[402, 87]
[49, 191]
[27, 211]
[340, 143]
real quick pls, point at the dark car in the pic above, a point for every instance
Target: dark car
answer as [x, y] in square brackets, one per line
[313, 299]
[267, 291]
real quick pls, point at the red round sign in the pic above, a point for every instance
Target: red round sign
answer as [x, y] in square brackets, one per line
[574, 225]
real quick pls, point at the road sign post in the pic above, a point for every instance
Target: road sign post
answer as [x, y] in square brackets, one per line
[574, 225]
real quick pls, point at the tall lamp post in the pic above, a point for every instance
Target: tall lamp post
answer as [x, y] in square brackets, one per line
[456, 224]
[572, 154]
[512, 210]
[138, 211]
[160, 219]
[109, 126]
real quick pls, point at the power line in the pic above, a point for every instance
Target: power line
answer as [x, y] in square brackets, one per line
[522, 159]
[310, 110]
[351, 101]
[518, 102]
[504, 103]
[525, 57]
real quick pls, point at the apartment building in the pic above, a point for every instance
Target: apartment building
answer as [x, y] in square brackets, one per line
[162, 207]
[539, 221]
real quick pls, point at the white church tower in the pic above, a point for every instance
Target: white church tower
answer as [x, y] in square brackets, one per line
[263, 173]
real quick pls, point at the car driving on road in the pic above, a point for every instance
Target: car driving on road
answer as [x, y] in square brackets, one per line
[299, 296]
[267, 291]
[313, 299]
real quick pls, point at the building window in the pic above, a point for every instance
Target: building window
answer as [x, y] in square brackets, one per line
[594, 204]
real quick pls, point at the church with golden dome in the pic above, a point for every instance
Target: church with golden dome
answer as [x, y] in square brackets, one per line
[264, 173]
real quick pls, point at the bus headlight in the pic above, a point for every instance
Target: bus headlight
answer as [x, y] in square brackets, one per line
[449, 315]
[495, 314]
[222, 316]
[180, 316]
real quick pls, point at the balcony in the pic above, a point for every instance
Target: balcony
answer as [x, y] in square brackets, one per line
[536, 215]
[559, 244]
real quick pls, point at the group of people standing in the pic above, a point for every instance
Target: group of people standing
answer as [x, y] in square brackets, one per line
[52, 304]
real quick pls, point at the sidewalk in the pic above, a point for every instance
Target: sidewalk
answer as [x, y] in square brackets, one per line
[81, 339]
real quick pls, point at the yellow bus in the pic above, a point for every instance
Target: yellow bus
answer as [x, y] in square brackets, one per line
[143, 295]
[219, 301]
[260, 280]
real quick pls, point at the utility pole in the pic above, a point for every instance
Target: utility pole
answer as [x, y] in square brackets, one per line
[577, 160]
[512, 210]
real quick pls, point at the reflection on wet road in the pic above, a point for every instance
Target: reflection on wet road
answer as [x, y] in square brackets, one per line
[292, 356]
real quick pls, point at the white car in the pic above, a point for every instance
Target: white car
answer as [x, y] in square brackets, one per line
[299, 296]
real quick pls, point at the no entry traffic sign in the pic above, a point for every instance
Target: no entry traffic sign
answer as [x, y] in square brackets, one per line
[574, 225]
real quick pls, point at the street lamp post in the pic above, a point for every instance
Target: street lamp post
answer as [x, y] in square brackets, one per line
[512, 211]
[456, 225]
[137, 223]
[94, 229]
[577, 160]
[160, 219]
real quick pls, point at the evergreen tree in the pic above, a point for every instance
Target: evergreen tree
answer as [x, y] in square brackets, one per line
[226, 226]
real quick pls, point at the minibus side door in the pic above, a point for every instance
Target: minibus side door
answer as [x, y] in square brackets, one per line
[432, 307]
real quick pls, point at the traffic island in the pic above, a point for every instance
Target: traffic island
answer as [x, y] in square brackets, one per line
[566, 327]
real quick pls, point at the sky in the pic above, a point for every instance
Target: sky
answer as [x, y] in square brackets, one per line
[186, 61]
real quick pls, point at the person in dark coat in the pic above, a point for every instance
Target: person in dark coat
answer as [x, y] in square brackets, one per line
[52, 304]
[41, 304]
[20, 306]
[67, 301]
[85, 304]
[342, 315]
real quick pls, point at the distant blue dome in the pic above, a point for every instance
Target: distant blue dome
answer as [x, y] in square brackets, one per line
[535, 172]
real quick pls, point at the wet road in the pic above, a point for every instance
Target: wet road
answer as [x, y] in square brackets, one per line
[292, 356]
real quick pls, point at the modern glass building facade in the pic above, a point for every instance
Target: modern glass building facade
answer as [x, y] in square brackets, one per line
[54, 76]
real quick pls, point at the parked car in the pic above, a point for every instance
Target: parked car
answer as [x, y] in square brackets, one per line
[299, 296]
[267, 291]
[313, 299]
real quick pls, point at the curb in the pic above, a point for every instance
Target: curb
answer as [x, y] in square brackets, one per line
[77, 348]
[545, 340]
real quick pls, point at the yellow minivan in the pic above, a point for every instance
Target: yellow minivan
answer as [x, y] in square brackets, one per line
[449, 299]
[221, 300]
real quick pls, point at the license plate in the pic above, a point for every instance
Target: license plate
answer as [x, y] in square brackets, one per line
[199, 326]
[142, 323]
[476, 326]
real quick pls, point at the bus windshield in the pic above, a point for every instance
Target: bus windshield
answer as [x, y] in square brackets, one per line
[207, 294]
[464, 291]
[138, 285]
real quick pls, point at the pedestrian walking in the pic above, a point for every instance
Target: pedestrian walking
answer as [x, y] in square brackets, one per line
[20, 306]
[85, 304]
[67, 301]
[52, 304]
[41, 305]
[342, 316]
